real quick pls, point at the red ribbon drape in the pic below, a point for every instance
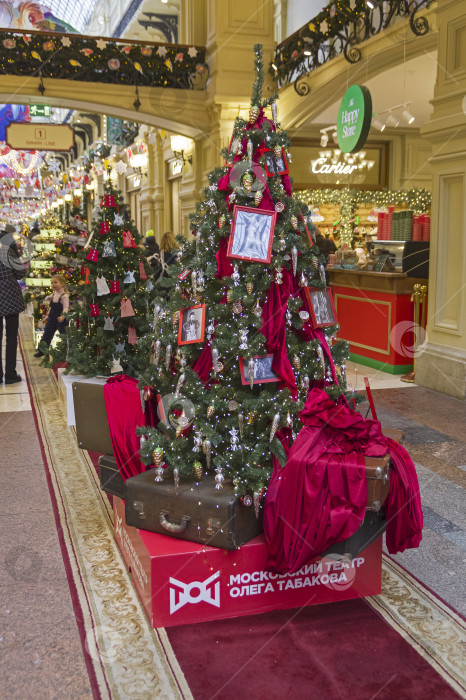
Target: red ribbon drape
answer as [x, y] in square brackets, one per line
[124, 413]
[319, 497]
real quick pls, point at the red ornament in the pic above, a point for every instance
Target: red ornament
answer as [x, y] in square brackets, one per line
[126, 308]
[104, 227]
[132, 335]
[115, 287]
[94, 309]
[128, 240]
[109, 200]
[142, 270]
[93, 255]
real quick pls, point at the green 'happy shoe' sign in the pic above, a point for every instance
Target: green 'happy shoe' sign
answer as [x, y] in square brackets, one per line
[354, 119]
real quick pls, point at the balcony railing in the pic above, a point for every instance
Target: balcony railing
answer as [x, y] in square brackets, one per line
[101, 60]
[339, 29]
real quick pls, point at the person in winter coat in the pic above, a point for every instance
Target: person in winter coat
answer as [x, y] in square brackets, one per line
[12, 269]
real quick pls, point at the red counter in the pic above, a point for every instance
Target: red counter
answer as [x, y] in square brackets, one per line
[375, 314]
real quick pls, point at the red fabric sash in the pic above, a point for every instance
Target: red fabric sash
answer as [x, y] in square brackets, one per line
[319, 497]
[124, 413]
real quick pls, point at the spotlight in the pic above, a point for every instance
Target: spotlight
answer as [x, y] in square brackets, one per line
[308, 53]
[370, 4]
[406, 114]
[392, 120]
[378, 124]
[274, 66]
[324, 139]
[335, 137]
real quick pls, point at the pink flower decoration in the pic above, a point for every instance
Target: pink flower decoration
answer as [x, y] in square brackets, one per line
[87, 52]
[9, 43]
[114, 64]
[179, 57]
[126, 49]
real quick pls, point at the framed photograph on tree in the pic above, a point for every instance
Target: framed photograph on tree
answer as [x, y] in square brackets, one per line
[263, 372]
[274, 165]
[251, 234]
[321, 307]
[191, 327]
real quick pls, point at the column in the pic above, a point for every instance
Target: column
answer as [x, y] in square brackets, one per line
[441, 366]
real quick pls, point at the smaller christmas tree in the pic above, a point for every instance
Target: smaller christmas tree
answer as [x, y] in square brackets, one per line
[113, 310]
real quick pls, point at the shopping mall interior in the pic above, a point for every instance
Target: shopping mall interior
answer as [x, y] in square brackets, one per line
[186, 215]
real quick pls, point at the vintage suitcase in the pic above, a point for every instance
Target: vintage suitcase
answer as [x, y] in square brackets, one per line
[92, 428]
[111, 480]
[373, 525]
[196, 512]
[378, 474]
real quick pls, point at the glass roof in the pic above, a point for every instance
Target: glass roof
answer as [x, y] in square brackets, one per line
[74, 12]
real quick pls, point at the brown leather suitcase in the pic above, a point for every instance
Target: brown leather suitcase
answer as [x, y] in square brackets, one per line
[111, 480]
[195, 511]
[92, 428]
[378, 474]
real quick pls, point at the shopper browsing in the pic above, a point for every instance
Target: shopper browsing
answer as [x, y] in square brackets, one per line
[59, 306]
[12, 269]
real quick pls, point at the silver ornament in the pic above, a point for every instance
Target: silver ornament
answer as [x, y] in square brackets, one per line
[257, 310]
[275, 423]
[159, 474]
[219, 478]
[274, 112]
[306, 383]
[179, 384]
[249, 151]
[210, 329]
[176, 478]
[279, 275]
[244, 339]
[214, 360]
[251, 371]
[322, 273]
[241, 424]
[168, 354]
[304, 315]
[208, 452]
[257, 500]
[235, 276]
[302, 280]
[234, 440]
[194, 282]
[197, 441]
[156, 315]
[294, 258]
[157, 349]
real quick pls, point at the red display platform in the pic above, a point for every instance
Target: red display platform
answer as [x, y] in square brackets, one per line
[181, 582]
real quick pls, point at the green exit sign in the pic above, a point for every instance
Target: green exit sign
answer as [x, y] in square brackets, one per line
[39, 110]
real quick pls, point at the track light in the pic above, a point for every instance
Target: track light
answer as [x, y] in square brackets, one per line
[378, 124]
[370, 4]
[392, 120]
[335, 137]
[406, 114]
[324, 140]
[308, 53]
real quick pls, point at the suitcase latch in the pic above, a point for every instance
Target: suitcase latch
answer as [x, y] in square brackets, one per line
[382, 474]
[213, 526]
[139, 508]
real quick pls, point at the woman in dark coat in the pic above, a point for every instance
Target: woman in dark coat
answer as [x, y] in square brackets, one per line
[12, 269]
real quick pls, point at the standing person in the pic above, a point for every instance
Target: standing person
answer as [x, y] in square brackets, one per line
[168, 246]
[59, 306]
[12, 269]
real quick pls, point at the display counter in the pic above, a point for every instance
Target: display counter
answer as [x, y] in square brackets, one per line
[375, 314]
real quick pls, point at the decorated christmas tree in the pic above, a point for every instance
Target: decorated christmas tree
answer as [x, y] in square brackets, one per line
[236, 346]
[113, 309]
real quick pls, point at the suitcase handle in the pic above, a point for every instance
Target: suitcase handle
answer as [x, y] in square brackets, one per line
[173, 527]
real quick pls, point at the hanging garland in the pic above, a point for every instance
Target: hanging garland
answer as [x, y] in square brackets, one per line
[418, 200]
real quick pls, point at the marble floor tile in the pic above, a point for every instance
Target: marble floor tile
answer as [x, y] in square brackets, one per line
[439, 564]
[442, 496]
[40, 651]
[14, 402]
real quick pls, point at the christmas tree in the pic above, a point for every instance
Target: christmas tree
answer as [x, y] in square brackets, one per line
[234, 348]
[112, 312]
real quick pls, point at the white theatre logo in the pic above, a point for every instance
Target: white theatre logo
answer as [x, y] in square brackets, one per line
[194, 592]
